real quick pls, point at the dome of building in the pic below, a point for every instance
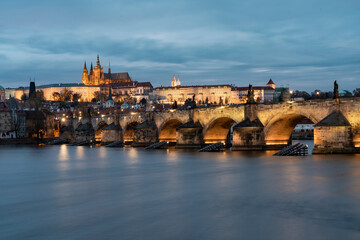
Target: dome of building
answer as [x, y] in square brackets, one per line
[1, 88]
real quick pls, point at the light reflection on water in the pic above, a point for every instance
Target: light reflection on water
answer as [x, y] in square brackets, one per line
[63, 153]
[129, 193]
[80, 153]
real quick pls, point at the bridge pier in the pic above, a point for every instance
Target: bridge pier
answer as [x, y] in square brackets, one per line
[333, 134]
[189, 135]
[248, 135]
[111, 133]
[85, 134]
[145, 134]
[67, 133]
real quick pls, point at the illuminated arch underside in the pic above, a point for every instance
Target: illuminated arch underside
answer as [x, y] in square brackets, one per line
[218, 130]
[168, 131]
[129, 131]
[98, 131]
[279, 132]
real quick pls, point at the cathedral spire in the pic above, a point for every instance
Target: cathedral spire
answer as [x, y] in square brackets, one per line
[85, 65]
[173, 81]
[98, 62]
[178, 83]
[91, 69]
[109, 68]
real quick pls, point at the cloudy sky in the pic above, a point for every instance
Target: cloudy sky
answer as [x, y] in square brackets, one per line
[301, 44]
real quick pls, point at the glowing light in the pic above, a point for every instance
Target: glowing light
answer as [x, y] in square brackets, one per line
[132, 113]
[102, 115]
[63, 119]
[291, 91]
[63, 153]
[276, 142]
[172, 110]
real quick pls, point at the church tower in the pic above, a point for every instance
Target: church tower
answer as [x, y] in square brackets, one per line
[173, 82]
[85, 75]
[271, 84]
[98, 73]
[178, 83]
[97, 76]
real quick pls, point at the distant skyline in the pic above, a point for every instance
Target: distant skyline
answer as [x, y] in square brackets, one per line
[304, 45]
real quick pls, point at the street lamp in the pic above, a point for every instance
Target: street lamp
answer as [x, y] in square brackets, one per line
[291, 93]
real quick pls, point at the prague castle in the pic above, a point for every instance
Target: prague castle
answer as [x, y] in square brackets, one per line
[97, 75]
[95, 81]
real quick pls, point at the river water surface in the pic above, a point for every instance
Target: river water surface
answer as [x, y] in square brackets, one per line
[68, 192]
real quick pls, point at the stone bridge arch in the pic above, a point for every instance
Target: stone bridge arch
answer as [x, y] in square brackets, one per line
[98, 130]
[280, 119]
[207, 115]
[78, 124]
[128, 131]
[167, 131]
[218, 130]
[161, 118]
[108, 119]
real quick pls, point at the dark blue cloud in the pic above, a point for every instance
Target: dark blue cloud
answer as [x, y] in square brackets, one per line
[302, 44]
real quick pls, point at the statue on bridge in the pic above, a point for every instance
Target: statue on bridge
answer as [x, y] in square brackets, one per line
[250, 95]
[336, 90]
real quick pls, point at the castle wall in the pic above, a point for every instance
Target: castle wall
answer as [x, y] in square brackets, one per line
[168, 95]
[87, 92]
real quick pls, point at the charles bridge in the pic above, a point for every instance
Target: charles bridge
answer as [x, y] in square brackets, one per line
[251, 126]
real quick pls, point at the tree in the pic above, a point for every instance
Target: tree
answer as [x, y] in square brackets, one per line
[301, 94]
[131, 100]
[226, 100]
[39, 94]
[99, 96]
[76, 97]
[67, 94]
[356, 92]
[24, 97]
[56, 96]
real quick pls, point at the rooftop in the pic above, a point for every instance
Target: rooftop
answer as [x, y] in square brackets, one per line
[118, 76]
[334, 119]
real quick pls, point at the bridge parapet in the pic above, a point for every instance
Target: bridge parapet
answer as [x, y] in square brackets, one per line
[276, 122]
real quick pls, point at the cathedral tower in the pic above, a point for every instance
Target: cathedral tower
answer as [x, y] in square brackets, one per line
[98, 73]
[98, 77]
[173, 82]
[85, 75]
[178, 83]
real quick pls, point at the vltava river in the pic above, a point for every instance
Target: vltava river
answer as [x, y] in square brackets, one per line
[67, 192]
